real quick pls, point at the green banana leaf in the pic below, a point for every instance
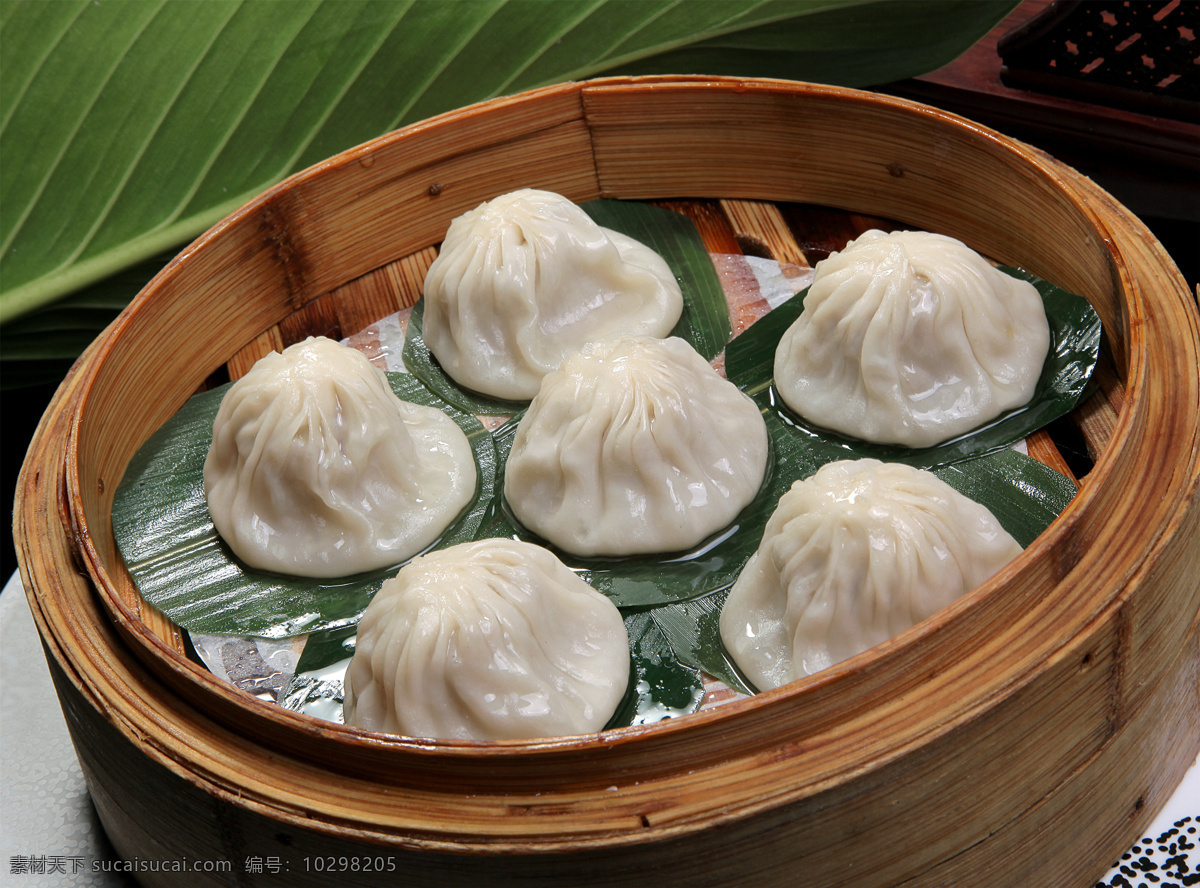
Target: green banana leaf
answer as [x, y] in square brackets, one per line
[182, 566]
[128, 127]
[671, 604]
[652, 580]
[1024, 495]
[704, 325]
[672, 645]
[165, 534]
[175, 573]
[1075, 338]
[660, 686]
[705, 322]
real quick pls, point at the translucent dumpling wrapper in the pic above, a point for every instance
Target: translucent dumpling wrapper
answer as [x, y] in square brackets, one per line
[852, 556]
[526, 279]
[489, 640]
[635, 446]
[911, 338]
[317, 469]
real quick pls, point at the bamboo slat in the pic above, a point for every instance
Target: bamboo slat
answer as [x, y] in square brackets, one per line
[318, 318]
[715, 229]
[365, 300]
[1097, 417]
[1043, 449]
[762, 230]
[262, 345]
[408, 275]
[964, 751]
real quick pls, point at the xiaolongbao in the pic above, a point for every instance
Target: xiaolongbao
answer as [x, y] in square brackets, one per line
[490, 640]
[526, 279]
[317, 469]
[855, 554]
[635, 445]
[911, 338]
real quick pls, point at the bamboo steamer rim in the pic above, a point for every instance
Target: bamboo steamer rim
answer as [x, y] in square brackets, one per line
[132, 622]
[733, 732]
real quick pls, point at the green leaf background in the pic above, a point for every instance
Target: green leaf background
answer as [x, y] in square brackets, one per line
[127, 127]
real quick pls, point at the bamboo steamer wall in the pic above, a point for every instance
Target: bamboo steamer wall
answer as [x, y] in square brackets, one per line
[1023, 736]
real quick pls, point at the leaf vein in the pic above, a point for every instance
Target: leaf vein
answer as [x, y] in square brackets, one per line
[36, 69]
[219, 146]
[86, 240]
[63, 149]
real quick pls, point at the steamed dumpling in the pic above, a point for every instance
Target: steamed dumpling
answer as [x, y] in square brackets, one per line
[317, 469]
[526, 279]
[853, 555]
[632, 446]
[911, 338]
[491, 640]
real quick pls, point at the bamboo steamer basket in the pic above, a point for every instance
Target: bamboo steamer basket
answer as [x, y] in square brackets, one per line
[1024, 736]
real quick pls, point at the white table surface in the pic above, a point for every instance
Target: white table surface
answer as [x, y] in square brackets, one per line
[50, 835]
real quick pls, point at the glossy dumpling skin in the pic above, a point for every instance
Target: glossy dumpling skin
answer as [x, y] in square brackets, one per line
[911, 338]
[635, 446]
[490, 640]
[317, 469]
[525, 279]
[853, 555]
